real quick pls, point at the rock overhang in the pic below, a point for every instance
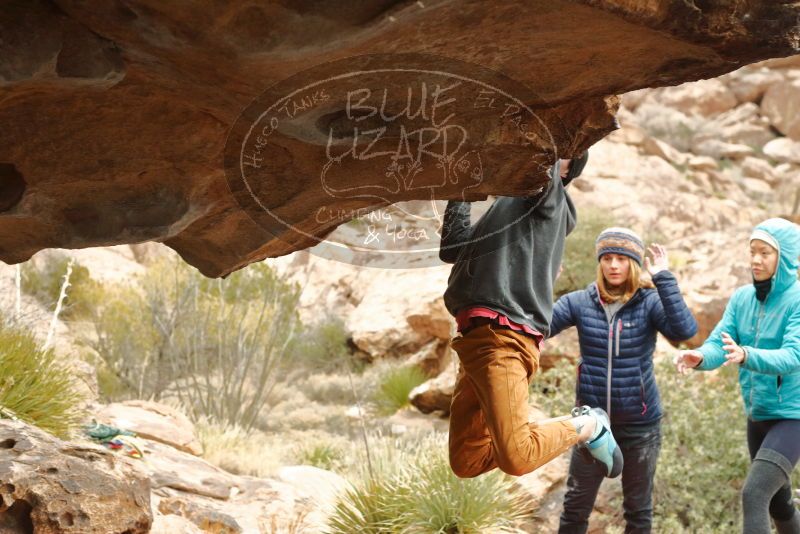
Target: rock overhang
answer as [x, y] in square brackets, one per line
[122, 118]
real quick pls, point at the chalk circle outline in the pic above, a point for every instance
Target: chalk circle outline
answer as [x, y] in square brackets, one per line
[238, 163]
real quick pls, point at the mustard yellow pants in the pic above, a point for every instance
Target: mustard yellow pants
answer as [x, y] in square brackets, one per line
[489, 411]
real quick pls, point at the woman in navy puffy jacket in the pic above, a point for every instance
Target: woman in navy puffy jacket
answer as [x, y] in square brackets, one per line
[618, 318]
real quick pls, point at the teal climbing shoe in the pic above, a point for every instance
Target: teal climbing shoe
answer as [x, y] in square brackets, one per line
[603, 447]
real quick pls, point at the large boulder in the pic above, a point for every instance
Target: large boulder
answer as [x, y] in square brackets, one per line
[783, 149]
[435, 394]
[432, 358]
[664, 151]
[414, 317]
[121, 120]
[742, 125]
[750, 83]
[758, 168]
[704, 97]
[707, 310]
[153, 420]
[170, 468]
[781, 104]
[51, 486]
[298, 499]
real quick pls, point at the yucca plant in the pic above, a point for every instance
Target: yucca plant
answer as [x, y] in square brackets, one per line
[394, 387]
[439, 502]
[35, 386]
[413, 490]
[376, 507]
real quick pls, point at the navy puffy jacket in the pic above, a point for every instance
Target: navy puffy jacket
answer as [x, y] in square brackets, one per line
[624, 348]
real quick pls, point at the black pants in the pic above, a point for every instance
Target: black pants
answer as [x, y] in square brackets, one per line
[640, 445]
[774, 450]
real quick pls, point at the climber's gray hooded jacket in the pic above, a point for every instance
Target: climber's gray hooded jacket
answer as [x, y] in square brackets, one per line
[509, 259]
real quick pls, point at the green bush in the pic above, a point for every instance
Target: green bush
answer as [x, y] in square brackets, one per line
[324, 456]
[395, 384]
[323, 347]
[413, 489]
[35, 386]
[239, 451]
[44, 283]
[580, 263]
[327, 388]
[704, 458]
[216, 345]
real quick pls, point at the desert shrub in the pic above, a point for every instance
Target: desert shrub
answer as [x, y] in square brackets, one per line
[322, 455]
[126, 339]
[299, 413]
[395, 384]
[704, 455]
[412, 489]
[257, 453]
[372, 508]
[35, 386]
[580, 263]
[668, 125]
[238, 450]
[44, 282]
[328, 388]
[216, 345]
[323, 347]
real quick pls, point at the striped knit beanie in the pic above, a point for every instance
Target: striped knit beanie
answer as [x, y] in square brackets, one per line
[620, 241]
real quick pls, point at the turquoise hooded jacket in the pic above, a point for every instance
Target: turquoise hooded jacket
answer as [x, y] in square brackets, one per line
[769, 332]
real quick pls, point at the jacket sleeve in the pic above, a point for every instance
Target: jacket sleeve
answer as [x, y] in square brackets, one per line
[712, 351]
[456, 230]
[670, 315]
[562, 315]
[784, 360]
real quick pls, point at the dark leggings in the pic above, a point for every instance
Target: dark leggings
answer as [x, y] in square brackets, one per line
[780, 435]
[774, 450]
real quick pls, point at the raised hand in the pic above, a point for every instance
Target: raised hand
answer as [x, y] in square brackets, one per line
[660, 261]
[735, 353]
[686, 360]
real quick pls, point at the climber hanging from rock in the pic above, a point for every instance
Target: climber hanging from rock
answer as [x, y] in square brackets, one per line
[500, 291]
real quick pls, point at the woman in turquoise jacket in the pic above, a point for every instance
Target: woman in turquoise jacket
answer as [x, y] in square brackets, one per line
[760, 331]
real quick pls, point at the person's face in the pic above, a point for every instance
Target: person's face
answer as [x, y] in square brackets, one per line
[763, 260]
[564, 168]
[615, 268]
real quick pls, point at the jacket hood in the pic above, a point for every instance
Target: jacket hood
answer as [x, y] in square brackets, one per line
[787, 234]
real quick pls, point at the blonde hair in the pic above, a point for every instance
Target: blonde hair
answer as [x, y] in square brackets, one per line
[632, 284]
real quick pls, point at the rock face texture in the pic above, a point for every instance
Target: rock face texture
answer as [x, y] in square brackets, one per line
[155, 421]
[116, 114]
[58, 487]
[52, 486]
